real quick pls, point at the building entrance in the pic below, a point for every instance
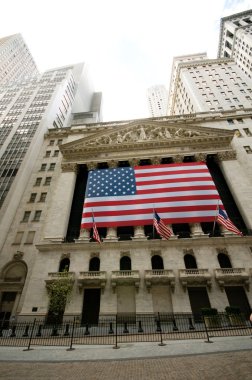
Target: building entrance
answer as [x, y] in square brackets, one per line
[198, 297]
[91, 306]
[6, 307]
[237, 297]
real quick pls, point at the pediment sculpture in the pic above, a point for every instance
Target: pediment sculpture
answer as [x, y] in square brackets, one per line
[145, 133]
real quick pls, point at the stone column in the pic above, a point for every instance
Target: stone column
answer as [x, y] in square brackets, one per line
[196, 230]
[139, 233]
[111, 234]
[172, 235]
[239, 184]
[226, 232]
[84, 235]
[57, 218]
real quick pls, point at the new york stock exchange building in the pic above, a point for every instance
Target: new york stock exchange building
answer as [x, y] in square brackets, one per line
[101, 175]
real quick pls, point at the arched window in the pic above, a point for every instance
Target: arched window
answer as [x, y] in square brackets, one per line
[190, 262]
[224, 260]
[64, 265]
[94, 264]
[125, 263]
[157, 262]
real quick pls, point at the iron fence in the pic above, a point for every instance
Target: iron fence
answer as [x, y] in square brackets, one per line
[122, 328]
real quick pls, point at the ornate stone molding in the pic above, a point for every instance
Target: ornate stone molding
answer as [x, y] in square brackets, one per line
[18, 255]
[200, 156]
[91, 165]
[69, 167]
[226, 155]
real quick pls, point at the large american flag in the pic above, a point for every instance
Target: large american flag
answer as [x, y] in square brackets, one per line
[180, 193]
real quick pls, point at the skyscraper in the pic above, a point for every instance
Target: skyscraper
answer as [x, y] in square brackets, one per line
[236, 40]
[29, 106]
[157, 97]
[16, 61]
[202, 85]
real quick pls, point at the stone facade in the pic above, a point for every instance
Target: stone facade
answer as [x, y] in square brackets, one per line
[37, 242]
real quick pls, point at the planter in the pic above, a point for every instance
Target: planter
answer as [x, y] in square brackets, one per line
[236, 320]
[212, 322]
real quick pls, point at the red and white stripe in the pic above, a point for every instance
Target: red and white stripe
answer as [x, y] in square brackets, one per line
[181, 193]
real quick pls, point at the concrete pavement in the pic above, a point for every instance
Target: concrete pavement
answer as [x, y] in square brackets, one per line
[226, 358]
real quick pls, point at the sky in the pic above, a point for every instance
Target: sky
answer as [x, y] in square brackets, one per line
[128, 45]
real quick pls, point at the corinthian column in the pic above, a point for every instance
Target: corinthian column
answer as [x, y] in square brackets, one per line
[111, 234]
[57, 217]
[139, 233]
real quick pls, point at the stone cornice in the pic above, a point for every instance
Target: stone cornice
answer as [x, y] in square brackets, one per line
[189, 243]
[173, 119]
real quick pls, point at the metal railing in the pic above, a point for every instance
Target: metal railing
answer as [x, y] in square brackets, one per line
[122, 328]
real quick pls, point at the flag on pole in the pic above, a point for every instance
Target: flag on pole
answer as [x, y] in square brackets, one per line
[224, 220]
[96, 235]
[161, 228]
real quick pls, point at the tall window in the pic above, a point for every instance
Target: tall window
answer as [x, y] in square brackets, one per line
[190, 262]
[125, 263]
[94, 264]
[157, 262]
[38, 181]
[64, 265]
[224, 261]
[32, 197]
[26, 216]
[37, 215]
[47, 181]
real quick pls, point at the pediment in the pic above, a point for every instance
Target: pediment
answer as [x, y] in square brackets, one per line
[145, 135]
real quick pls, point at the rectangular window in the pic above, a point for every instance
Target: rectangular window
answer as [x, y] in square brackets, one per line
[37, 216]
[47, 153]
[26, 216]
[42, 197]
[18, 237]
[247, 131]
[43, 167]
[240, 121]
[248, 149]
[32, 197]
[230, 121]
[52, 166]
[51, 142]
[56, 153]
[48, 181]
[38, 181]
[30, 237]
[60, 141]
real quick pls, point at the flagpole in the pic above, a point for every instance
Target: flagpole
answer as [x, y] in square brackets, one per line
[216, 213]
[153, 230]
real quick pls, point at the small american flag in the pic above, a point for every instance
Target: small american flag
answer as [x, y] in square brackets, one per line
[96, 235]
[161, 228]
[224, 220]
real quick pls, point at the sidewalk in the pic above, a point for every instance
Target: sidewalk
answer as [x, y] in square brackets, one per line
[126, 351]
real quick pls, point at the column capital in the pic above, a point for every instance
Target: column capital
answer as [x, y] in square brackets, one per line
[226, 155]
[133, 161]
[201, 156]
[91, 165]
[156, 160]
[112, 164]
[69, 167]
[178, 158]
